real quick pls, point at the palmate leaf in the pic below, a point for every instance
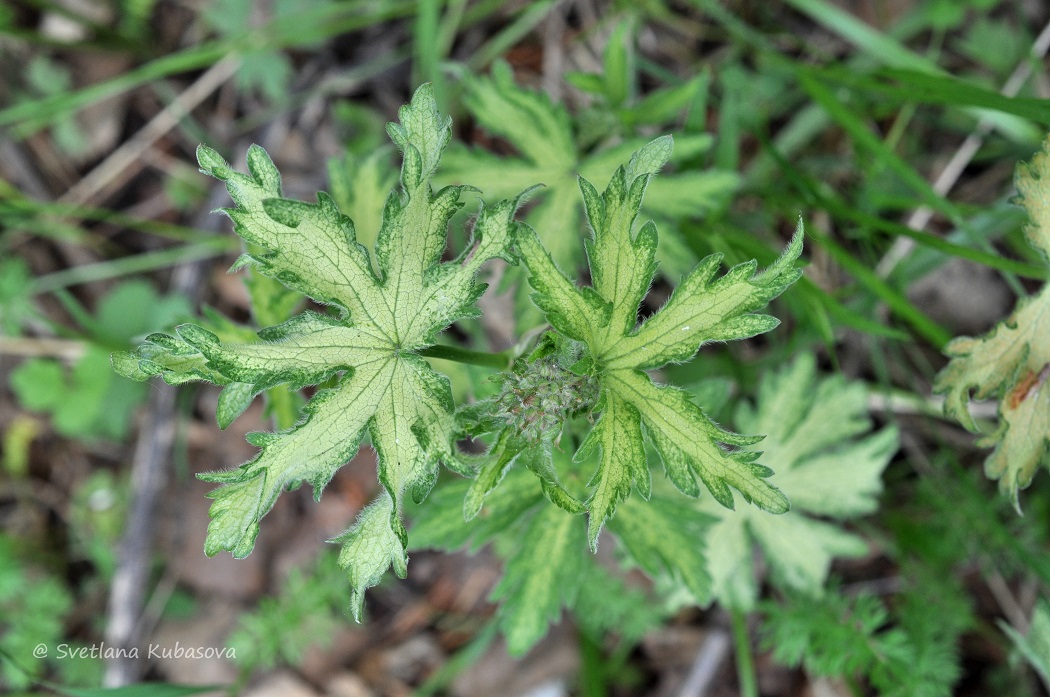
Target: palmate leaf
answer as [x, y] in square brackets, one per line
[543, 573]
[544, 549]
[1011, 362]
[386, 314]
[543, 133]
[547, 567]
[665, 537]
[604, 318]
[812, 429]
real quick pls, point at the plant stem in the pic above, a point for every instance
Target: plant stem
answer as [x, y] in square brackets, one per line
[592, 676]
[498, 361]
[745, 663]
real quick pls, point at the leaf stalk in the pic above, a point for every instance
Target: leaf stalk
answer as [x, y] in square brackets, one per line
[745, 662]
[499, 361]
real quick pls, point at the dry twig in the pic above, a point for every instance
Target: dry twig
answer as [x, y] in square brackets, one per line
[129, 154]
[918, 220]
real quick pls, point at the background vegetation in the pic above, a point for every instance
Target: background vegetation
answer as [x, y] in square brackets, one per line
[892, 127]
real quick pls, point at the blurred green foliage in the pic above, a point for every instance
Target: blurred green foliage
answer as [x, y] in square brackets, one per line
[797, 108]
[87, 400]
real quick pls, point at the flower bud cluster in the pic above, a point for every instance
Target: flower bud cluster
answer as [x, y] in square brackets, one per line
[536, 398]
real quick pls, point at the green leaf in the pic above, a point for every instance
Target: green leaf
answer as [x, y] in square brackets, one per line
[911, 652]
[270, 72]
[587, 82]
[542, 574]
[359, 187]
[33, 609]
[170, 357]
[813, 428]
[604, 318]
[664, 105]
[1035, 647]
[84, 402]
[438, 522]
[832, 636]
[544, 134]
[630, 616]
[39, 383]
[133, 308]
[547, 567]
[539, 128]
[370, 547]
[619, 71]
[1011, 362]
[15, 295]
[390, 306]
[665, 537]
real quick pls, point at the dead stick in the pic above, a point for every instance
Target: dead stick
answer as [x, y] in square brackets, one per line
[131, 151]
[149, 474]
[918, 220]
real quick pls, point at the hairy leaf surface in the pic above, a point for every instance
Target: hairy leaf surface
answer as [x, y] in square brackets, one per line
[1011, 362]
[604, 317]
[388, 307]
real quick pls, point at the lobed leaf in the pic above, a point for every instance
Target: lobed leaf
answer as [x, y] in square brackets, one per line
[812, 429]
[665, 538]
[387, 308]
[1011, 362]
[603, 317]
[370, 547]
[542, 575]
[545, 136]
[618, 432]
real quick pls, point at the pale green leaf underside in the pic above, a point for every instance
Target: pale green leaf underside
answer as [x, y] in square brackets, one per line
[603, 317]
[389, 305]
[1012, 362]
[823, 464]
[370, 547]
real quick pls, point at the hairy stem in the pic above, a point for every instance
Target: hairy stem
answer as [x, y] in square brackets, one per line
[499, 361]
